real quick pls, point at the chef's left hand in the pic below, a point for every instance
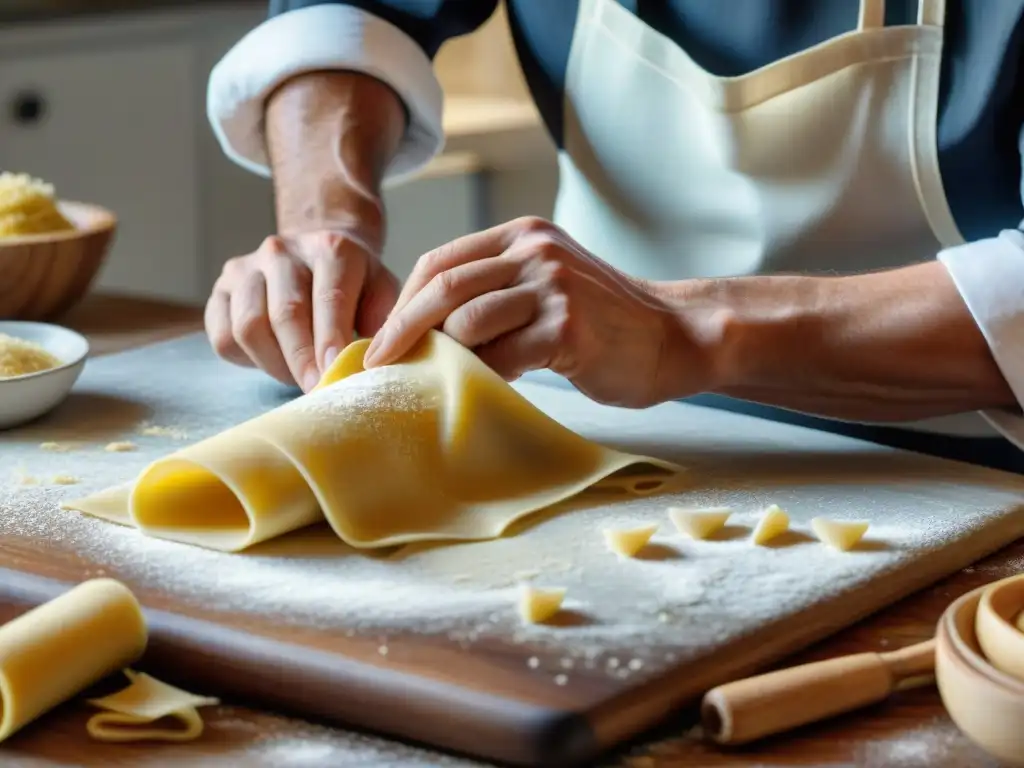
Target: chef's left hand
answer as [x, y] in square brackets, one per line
[524, 296]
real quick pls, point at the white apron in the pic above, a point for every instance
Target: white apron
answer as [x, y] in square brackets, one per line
[824, 161]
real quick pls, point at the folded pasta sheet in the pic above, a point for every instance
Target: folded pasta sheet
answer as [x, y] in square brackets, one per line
[434, 447]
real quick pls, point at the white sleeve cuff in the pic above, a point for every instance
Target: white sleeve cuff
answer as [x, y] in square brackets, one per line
[990, 277]
[322, 37]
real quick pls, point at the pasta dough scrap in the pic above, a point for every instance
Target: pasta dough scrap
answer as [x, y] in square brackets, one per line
[628, 542]
[55, 651]
[121, 446]
[538, 605]
[133, 712]
[839, 534]
[699, 523]
[773, 523]
[434, 447]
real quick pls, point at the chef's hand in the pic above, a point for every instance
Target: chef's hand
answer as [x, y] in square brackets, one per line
[294, 303]
[525, 296]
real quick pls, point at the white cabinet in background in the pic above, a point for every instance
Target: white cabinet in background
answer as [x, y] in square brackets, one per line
[115, 125]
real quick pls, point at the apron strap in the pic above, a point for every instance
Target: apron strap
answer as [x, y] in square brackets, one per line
[931, 13]
[872, 14]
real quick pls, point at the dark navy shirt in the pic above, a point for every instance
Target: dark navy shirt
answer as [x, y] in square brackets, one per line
[981, 109]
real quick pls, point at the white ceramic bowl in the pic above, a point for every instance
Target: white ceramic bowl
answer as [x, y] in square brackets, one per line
[23, 398]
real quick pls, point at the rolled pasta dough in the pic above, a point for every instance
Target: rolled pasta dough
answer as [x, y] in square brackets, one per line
[434, 447]
[55, 651]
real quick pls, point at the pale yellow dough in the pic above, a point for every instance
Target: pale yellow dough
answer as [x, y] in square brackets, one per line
[628, 542]
[55, 651]
[133, 712]
[839, 534]
[772, 524]
[538, 605]
[435, 447]
[699, 523]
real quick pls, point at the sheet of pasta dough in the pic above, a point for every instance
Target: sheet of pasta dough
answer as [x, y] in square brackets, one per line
[434, 447]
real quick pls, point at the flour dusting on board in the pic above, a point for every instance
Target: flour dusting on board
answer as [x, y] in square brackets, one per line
[629, 618]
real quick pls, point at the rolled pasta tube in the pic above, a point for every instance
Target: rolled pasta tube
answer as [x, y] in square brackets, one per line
[56, 651]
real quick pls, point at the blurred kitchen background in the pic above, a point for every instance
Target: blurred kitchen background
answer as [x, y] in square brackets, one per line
[106, 99]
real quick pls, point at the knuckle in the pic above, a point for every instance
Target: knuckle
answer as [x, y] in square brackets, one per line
[332, 296]
[234, 267]
[273, 245]
[434, 261]
[289, 311]
[327, 242]
[223, 344]
[250, 327]
[533, 225]
[443, 283]
[557, 275]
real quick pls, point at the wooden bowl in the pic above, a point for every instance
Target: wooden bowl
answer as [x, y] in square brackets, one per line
[986, 704]
[998, 637]
[42, 276]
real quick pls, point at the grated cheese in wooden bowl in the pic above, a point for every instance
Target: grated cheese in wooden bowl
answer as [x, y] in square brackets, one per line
[28, 207]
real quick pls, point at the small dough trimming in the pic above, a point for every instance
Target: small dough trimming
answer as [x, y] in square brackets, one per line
[843, 535]
[123, 446]
[627, 542]
[699, 523]
[774, 522]
[537, 605]
[131, 714]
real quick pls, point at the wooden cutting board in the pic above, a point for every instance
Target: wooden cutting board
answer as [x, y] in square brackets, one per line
[423, 643]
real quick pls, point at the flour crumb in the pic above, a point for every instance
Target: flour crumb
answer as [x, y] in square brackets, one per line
[124, 446]
[65, 480]
[461, 578]
[561, 679]
[383, 650]
[155, 430]
[25, 479]
[533, 662]
[525, 575]
[58, 447]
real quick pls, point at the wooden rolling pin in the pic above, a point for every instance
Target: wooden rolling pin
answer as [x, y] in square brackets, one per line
[750, 709]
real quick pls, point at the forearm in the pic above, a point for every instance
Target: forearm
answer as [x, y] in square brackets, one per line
[898, 345]
[330, 137]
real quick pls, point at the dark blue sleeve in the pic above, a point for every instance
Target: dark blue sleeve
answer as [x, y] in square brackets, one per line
[429, 22]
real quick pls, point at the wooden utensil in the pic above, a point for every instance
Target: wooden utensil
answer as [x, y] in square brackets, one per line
[750, 709]
[42, 276]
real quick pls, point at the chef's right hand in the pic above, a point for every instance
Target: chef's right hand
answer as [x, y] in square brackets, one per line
[293, 304]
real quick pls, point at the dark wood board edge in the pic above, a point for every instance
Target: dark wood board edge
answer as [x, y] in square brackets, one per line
[215, 660]
[627, 715]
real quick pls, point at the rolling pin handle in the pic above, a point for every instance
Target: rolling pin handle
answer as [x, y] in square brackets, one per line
[750, 709]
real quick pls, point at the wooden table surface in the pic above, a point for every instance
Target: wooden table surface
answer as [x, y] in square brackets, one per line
[912, 729]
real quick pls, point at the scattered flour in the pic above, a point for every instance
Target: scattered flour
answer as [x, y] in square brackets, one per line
[679, 601]
[644, 613]
[936, 743]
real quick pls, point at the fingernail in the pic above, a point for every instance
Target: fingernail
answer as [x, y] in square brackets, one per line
[330, 356]
[311, 379]
[372, 351]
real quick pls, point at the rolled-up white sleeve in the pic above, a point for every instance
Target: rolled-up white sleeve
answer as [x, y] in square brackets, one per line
[990, 277]
[323, 37]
